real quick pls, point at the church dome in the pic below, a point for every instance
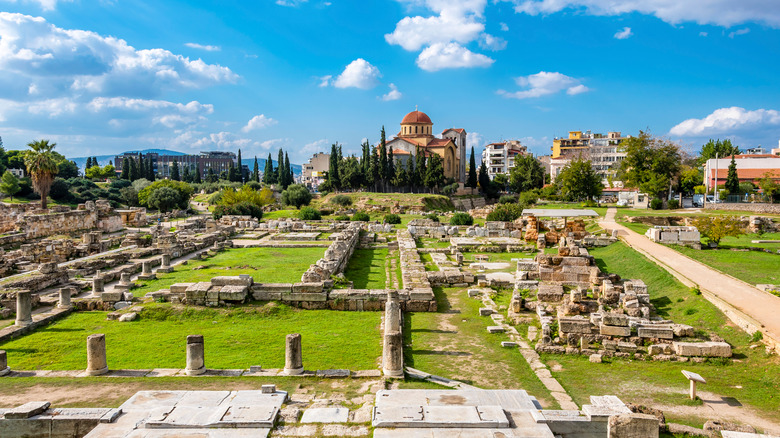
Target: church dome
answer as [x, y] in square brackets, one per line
[416, 117]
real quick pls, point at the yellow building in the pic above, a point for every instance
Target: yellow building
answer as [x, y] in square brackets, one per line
[565, 146]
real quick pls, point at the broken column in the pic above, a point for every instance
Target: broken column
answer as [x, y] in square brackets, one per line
[146, 271]
[96, 355]
[4, 369]
[196, 362]
[393, 355]
[165, 264]
[65, 294]
[392, 313]
[23, 308]
[97, 284]
[293, 357]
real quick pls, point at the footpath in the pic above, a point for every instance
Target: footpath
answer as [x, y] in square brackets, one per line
[744, 304]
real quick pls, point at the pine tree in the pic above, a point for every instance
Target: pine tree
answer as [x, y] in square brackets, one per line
[9, 184]
[256, 171]
[471, 181]
[175, 171]
[197, 174]
[133, 169]
[390, 166]
[150, 169]
[268, 173]
[125, 169]
[732, 180]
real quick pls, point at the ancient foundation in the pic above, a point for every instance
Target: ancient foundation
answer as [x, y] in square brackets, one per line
[196, 364]
[293, 357]
[96, 355]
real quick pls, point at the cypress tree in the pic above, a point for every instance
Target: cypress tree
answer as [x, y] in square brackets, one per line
[88, 164]
[197, 174]
[256, 171]
[185, 174]
[142, 173]
[268, 173]
[484, 179]
[382, 158]
[471, 181]
[280, 179]
[288, 173]
[175, 171]
[434, 174]
[334, 177]
[149, 169]
[240, 167]
[732, 180]
[125, 171]
[390, 166]
[211, 176]
[420, 167]
[133, 169]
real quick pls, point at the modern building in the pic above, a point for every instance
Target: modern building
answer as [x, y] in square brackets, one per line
[776, 151]
[417, 135]
[750, 168]
[499, 158]
[218, 161]
[313, 172]
[602, 150]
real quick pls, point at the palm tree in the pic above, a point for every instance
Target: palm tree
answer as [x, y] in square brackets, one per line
[42, 167]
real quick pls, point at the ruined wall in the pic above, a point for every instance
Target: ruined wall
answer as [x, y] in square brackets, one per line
[336, 256]
[756, 208]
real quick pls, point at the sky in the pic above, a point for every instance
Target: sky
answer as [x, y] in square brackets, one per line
[104, 76]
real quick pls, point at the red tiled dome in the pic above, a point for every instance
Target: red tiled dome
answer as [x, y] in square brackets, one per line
[416, 117]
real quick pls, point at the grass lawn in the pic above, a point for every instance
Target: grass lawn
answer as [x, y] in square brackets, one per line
[500, 256]
[266, 265]
[428, 261]
[752, 378]
[366, 268]
[636, 227]
[752, 267]
[234, 338]
[602, 211]
[280, 214]
[454, 343]
[427, 242]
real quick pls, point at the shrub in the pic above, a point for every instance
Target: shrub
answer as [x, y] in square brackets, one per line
[59, 189]
[120, 183]
[673, 204]
[296, 195]
[392, 219]
[183, 190]
[341, 200]
[341, 217]
[361, 216]
[326, 212]
[240, 209]
[450, 189]
[506, 199]
[528, 198]
[461, 219]
[589, 204]
[505, 213]
[757, 336]
[163, 198]
[254, 185]
[656, 204]
[309, 214]
[230, 196]
[129, 196]
[432, 216]
[717, 227]
[214, 198]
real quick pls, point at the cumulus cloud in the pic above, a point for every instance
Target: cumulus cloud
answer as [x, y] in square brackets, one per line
[291, 3]
[719, 12]
[440, 56]
[393, 94]
[504, 27]
[623, 34]
[728, 121]
[358, 74]
[258, 122]
[703, 34]
[476, 141]
[545, 83]
[315, 146]
[442, 36]
[202, 47]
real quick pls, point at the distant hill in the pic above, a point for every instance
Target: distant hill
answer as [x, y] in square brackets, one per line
[106, 159]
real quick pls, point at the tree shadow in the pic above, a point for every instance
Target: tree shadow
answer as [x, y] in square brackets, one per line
[662, 305]
[441, 353]
[449, 332]
[443, 304]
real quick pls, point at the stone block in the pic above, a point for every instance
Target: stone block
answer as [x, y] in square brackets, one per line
[574, 325]
[495, 329]
[682, 330]
[112, 297]
[233, 293]
[595, 358]
[632, 426]
[550, 292]
[27, 410]
[608, 330]
[615, 319]
[237, 280]
[307, 288]
[655, 332]
[303, 296]
[626, 347]
[704, 349]
[485, 311]
[180, 288]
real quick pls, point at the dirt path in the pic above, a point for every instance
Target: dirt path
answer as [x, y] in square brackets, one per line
[760, 306]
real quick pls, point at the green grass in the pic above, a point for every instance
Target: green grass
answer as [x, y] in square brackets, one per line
[661, 382]
[366, 268]
[746, 241]
[234, 338]
[426, 242]
[752, 267]
[602, 211]
[454, 343]
[428, 261]
[266, 265]
[636, 226]
[280, 214]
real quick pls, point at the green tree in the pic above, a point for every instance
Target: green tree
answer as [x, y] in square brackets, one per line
[233, 174]
[241, 177]
[296, 195]
[420, 167]
[434, 173]
[718, 148]
[370, 177]
[690, 178]
[268, 171]
[650, 163]
[579, 181]
[401, 178]
[256, 171]
[211, 177]
[280, 178]
[528, 174]
[768, 186]
[382, 158]
[732, 180]
[9, 184]
[391, 166]
[334, 177]
[97, 172]
[42, 167]
[186, 176]
[471, 181]
[351, 174]
[163, 199]
[142, 167]
[716, 228]
[67, 169]
[484, 180]
[175, 171]
[196, 178]
[149, 169]
[133, 170]
[125, 169]
[288, 173]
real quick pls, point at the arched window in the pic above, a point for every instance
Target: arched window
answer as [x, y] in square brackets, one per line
[415, 130]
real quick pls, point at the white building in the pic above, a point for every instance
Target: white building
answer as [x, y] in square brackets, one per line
[750, 168]
[500, 157]
[313, 172]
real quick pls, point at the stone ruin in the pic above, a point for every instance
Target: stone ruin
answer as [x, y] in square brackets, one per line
[336, 256]
[675, 235]
[585, 311]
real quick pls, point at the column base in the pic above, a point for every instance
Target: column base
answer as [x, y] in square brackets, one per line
[7, 370]
[196, 372]
[165, 270]
[23, 323]
[65, 307]
[99, 372]
[397, 374]
[293, 371]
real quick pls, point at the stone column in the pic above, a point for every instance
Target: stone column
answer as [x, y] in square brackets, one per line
[96, 355]
[196, 362]
[166, 260]
[4, 364]
[293, 357]
[393, 355]
[23, 308]
[97, 285]
[65, 294]
[124, 278]
[392, 315]
[146, 267]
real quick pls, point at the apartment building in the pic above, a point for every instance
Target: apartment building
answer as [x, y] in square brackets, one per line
[602, 150]
[313, 172]
[218, 161]
[500, 157]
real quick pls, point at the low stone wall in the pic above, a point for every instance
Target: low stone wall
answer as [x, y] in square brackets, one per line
[754, 207]
[687, 236]
[336, 256]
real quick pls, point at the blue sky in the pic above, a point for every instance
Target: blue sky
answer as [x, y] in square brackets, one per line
[100, 77]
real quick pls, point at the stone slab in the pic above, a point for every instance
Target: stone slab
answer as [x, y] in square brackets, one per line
[27, 410]
[325, 415]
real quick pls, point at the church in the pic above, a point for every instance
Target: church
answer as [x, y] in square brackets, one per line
[417, 134]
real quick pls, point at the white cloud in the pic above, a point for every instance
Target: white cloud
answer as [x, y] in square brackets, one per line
[545, 83]
[202, 47]
[504, 27]
[321, 145]
[703, 34]
[291, 3]
[274, 143]
[624, 34]
[414, 33]
[358, 74]
[221, 140]
[258, 122]
[475, 140]
[739, 32]
[393, 94]
[719, 12]
[453, 55]
[46, 5]
[728, 121]
[490, 42]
